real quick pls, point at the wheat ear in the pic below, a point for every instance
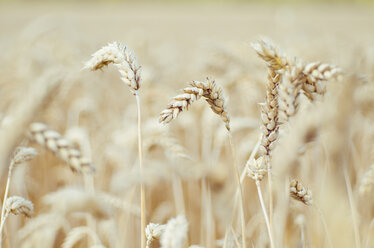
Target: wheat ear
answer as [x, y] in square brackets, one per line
[300, 193]
[289, 93]
[21, 155]
[367, 182]
[175, 233]
[153, 231]
[18, 206]
[315, 73]
[209, 90]
[213, 94]
[277, 62]
[55, 142]
[120, 56]
[257, 169]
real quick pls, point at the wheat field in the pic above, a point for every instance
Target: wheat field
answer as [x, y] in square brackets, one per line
[186, 125]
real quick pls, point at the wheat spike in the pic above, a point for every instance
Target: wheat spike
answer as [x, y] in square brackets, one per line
[53, 141]
[23, 154]
[175, 233]
[209, 90]
[17, 205]
[153, 231]
[289, 92]
[277, 62]
[315, 73]
[274, 57]
[298, 192]
[120, 56]
[269, 115]
[257, 168]
[367, 182]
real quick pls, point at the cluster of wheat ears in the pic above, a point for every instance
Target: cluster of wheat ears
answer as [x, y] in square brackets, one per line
[294, 117]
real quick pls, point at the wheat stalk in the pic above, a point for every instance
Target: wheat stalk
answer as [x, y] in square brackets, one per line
[53, 141]
[120, 56]
[257, 169]
[277, 62]
[21, 155]
[213, 94]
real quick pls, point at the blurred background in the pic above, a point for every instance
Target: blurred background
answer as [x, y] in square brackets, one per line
[176, 42]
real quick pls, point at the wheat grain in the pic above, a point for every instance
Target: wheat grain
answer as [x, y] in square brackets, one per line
[300, 193]
[53, 141]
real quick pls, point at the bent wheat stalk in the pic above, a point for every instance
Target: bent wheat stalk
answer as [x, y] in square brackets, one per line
[121, 57]
[213, 95]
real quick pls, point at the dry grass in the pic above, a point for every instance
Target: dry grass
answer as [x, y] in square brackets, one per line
[280, 120]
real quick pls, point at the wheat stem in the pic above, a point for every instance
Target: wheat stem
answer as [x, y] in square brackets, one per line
[270, 195]
[140, 152]
[323, 220]
[264, 212]
[353, 208]
[3, 219]
[236, 169]
[6, 194]
[3, 214]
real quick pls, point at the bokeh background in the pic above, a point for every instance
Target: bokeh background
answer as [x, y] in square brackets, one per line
[176, 42]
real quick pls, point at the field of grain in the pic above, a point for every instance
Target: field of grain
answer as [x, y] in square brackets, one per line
[103, 145]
